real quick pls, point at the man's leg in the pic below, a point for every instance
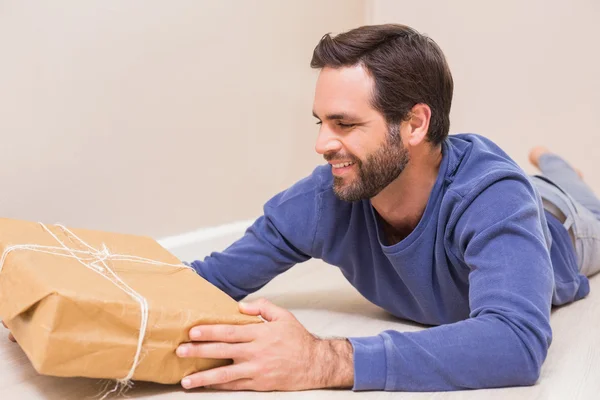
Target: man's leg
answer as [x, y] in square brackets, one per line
[585, 228]
[565, 176]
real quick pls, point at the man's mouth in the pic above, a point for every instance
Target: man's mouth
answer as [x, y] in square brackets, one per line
[342, 165]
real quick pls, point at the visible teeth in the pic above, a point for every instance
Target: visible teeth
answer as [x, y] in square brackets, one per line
[341, 165]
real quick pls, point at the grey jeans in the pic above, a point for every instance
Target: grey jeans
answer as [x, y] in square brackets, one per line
[572, 201]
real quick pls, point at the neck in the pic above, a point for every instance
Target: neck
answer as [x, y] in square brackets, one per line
[402, 203]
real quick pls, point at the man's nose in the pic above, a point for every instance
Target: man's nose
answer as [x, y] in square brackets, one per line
[327, 141]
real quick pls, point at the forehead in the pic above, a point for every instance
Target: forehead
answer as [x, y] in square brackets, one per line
[343, 89]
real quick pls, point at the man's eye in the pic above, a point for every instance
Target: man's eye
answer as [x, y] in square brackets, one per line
[346, 126]
[318, 122]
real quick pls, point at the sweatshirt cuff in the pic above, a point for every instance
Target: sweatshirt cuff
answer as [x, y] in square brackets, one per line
[370, 366]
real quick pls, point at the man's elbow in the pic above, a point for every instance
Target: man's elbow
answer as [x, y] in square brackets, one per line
[515, 371]
[530, 346]
[529, 375]
[522, 364]
[526, 367]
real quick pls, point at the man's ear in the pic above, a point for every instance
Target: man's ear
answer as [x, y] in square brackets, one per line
[419, 118]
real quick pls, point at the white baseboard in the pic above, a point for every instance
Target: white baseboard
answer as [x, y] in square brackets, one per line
[201, 242]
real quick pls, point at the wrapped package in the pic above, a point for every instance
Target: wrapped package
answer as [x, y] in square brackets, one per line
[104, 305]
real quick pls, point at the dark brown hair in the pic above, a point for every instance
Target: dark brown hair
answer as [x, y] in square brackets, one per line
[407, 67]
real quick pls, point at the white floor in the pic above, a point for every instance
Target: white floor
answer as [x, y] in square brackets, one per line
[327, 305]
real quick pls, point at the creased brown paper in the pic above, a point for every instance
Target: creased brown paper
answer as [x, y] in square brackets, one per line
[71, 321]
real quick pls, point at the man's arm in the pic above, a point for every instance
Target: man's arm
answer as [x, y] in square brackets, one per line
[280, 238]
[506, 338]
[252, 261]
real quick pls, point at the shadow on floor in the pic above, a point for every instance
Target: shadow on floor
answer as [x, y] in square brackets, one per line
[337, 300]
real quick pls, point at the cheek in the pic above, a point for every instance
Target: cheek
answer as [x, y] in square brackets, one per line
[363, 144]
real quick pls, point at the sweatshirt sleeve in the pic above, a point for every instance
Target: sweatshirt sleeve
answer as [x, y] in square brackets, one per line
[281, 237]
[502, 240]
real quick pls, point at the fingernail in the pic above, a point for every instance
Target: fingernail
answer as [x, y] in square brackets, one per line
[195, 333]
[242, 304]
[186, 383]
[182, 351]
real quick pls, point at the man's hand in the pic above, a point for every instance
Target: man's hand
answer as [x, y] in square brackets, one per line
[10, 336]
[277, 355]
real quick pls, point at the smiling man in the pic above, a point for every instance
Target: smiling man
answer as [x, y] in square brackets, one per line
[443, 230]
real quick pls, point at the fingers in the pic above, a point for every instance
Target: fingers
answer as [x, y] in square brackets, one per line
[215, 350]
[264, 308]
[218, 376]
[223, 333]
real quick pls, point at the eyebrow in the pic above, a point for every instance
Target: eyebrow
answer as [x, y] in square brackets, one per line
[335, 116]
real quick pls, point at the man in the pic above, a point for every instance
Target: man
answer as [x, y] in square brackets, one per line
[442, 230]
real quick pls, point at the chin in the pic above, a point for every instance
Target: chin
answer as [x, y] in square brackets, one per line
[344, 194]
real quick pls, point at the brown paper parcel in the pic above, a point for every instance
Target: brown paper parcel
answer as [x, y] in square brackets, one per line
[72, 321]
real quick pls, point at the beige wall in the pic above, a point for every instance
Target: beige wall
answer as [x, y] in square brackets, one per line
[525, 72]
[162, 117]
[157, 117]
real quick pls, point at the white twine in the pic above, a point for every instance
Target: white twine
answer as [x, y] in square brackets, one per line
[91, 259]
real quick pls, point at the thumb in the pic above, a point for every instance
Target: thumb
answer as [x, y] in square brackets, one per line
[265, 309]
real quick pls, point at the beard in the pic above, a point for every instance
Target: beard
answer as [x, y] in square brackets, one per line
[379, 169]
